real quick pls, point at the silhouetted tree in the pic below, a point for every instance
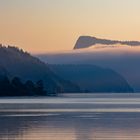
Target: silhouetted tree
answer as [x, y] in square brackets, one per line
[18, 87]
[30, 87]
[5, 87]
[40, 88]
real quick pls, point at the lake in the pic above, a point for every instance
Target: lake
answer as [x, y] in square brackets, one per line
[71, 117]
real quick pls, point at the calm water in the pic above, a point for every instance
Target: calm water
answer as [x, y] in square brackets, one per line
[71, 117]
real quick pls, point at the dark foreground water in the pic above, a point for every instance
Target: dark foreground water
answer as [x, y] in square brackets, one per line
[72, 117]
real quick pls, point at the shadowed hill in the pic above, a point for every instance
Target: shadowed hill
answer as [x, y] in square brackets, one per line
[93, 78]
[21, 64]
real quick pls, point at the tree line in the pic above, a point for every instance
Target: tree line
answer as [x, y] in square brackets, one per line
[15, 87]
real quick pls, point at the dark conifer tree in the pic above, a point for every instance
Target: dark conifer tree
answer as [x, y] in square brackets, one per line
[40, 88]
[30, 88]
[18, 87]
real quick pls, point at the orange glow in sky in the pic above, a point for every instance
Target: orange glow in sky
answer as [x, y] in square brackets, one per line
[40, 26]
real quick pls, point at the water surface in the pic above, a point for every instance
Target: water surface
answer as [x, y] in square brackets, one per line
[71, 117]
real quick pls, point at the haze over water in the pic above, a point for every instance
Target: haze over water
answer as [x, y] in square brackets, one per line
[71, 117]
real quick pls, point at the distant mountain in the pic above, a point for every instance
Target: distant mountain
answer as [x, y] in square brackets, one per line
[21, 64]
[92, 78]
[87, 41]
[123, 60]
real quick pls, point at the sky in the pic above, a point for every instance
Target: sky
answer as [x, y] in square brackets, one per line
[42, 26]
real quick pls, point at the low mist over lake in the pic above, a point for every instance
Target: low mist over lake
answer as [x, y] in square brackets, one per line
[122, 59]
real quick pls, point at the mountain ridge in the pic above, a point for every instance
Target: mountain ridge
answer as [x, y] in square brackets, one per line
[88, 41]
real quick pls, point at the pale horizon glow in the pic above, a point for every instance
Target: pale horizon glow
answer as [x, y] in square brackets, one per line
[41, 26]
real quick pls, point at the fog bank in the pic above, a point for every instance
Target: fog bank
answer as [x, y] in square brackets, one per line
[123, 59]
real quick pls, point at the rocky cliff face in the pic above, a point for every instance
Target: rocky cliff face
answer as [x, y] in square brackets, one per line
[87, 41]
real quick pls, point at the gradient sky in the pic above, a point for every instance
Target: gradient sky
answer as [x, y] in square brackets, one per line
[40, 26]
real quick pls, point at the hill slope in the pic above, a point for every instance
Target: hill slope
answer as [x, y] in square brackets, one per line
[21, 64]
[92, 78]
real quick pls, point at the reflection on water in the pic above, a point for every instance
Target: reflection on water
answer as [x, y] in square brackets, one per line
[82, 121]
